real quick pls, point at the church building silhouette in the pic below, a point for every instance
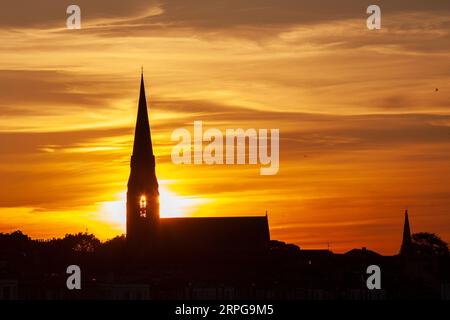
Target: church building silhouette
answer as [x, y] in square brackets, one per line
[145, 228]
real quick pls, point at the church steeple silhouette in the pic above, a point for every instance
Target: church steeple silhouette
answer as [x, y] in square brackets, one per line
[406, 247]
[181, 235]
[142, 194]
[142, 135]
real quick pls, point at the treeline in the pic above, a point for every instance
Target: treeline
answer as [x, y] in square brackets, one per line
[21, 255]
[423, 243]
[79, 242]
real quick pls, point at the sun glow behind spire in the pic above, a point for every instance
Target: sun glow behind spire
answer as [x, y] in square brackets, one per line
[171, 205]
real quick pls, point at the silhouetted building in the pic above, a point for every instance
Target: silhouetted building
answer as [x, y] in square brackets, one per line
[142, 194]
[145, 228]
[406, 248]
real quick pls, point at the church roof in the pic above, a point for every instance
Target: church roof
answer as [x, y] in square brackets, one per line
[215, 233]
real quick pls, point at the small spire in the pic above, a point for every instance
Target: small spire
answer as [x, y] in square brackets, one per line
[406, 242]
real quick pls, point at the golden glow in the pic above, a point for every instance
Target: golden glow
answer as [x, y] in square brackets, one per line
[171, 205]
[143, 202]
[115, 212]
[143, 206]
[363, 118]
[174, 205]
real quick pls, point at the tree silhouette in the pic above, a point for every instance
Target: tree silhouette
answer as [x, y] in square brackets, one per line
[429, 244]
[79, 243]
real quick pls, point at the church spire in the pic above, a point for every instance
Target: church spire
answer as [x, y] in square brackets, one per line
[406, 242]
[142, 138]
[142, 193]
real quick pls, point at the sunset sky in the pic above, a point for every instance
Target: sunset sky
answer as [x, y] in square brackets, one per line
[364, 115]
